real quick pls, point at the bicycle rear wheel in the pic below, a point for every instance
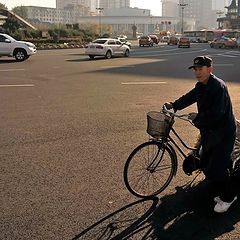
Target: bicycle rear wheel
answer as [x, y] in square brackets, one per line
[149, 169]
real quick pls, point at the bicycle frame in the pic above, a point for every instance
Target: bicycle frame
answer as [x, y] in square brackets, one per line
[174, 145]
[181, 141]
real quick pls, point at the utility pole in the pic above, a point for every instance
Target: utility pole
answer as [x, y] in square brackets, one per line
[182, 6]
[100, 9]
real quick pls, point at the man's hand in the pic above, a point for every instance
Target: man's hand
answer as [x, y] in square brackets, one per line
[192, 116]
[168, 105]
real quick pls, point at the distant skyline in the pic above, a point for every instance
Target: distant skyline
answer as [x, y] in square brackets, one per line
[154, 5]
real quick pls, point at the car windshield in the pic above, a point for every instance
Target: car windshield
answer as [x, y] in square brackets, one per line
[100, 41]
[11, 38]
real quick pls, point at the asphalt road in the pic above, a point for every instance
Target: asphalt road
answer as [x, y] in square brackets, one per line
[68, 125]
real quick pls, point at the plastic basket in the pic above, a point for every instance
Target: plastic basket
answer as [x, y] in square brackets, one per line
[158, 124]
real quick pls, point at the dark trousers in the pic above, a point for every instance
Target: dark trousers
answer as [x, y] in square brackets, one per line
[217, 163]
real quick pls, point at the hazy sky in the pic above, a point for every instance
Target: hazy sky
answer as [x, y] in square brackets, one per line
[154, 5]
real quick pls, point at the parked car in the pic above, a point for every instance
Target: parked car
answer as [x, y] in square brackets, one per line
[173, 40]
[122, 36]
[107, 47]
[155, 38]
[184, 42]
[145, 40]
[165, 39]
[12, 48]
[238, 42]
[124, 41]
[223, 42]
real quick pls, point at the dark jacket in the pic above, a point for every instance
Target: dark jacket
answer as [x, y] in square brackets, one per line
[216, 122]
[213, 103]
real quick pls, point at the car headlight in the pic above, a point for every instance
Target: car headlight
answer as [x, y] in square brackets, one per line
[30, 45]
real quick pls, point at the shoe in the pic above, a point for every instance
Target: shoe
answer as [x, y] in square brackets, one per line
[222, 206]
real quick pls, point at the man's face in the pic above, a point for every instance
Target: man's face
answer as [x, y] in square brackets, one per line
[202, 73]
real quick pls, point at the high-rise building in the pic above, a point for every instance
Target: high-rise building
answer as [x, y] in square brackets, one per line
[201, 11]
[219, 5]
[60, 4]
[90, 4]
[114, 3]
[170, 8]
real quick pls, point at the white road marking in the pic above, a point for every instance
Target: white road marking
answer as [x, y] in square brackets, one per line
[233, 52]
[141, 83]
[149, 52]
[230, 56]
[117, 66]
[168, 54]
[12, 70]
[17, 85]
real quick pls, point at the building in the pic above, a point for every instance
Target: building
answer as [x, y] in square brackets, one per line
[61, 4]
[144, 24]
[170, 8]
[68, 15]
[126, 12]
[201, 11]
[232, 18]
[91, 4]
[114, 4]
[219, 5]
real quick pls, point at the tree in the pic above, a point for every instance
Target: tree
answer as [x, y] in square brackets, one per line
[11, 25]
[21, 11]
[3, 6]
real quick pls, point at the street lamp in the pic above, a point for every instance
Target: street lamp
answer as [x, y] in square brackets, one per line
[182, 5]
[100, 9]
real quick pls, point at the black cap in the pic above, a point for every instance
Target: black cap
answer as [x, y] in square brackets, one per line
[201, 61]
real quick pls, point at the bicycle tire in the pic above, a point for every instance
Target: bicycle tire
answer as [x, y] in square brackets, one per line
[147, 179]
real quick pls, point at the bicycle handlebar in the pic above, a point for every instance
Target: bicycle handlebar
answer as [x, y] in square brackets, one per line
[184, 117]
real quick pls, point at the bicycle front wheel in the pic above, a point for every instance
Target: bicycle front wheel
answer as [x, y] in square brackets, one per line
[149, 169]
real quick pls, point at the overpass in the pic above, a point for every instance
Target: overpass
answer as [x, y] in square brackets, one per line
[8, 13]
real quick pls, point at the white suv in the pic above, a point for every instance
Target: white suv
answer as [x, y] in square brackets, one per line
[13, 48]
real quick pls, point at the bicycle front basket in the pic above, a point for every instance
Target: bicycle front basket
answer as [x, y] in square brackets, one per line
[158, 124]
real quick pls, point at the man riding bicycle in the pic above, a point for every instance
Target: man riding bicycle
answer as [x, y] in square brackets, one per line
[216, 122]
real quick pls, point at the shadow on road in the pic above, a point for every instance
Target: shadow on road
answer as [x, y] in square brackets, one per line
[185, 214]
[2, 61]
[172, 67]
[87, 59]
[122, 223]
[189, 213]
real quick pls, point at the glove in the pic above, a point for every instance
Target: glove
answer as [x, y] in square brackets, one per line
[168, 105]
[192, 116]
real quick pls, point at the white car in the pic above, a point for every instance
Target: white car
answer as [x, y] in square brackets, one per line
[124, 41]
[19, 49]
[107, 47]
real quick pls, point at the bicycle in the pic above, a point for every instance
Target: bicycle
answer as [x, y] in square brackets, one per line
[152, 165]
[160, 155]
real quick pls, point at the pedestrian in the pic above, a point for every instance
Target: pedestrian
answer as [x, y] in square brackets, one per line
[216, 122]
